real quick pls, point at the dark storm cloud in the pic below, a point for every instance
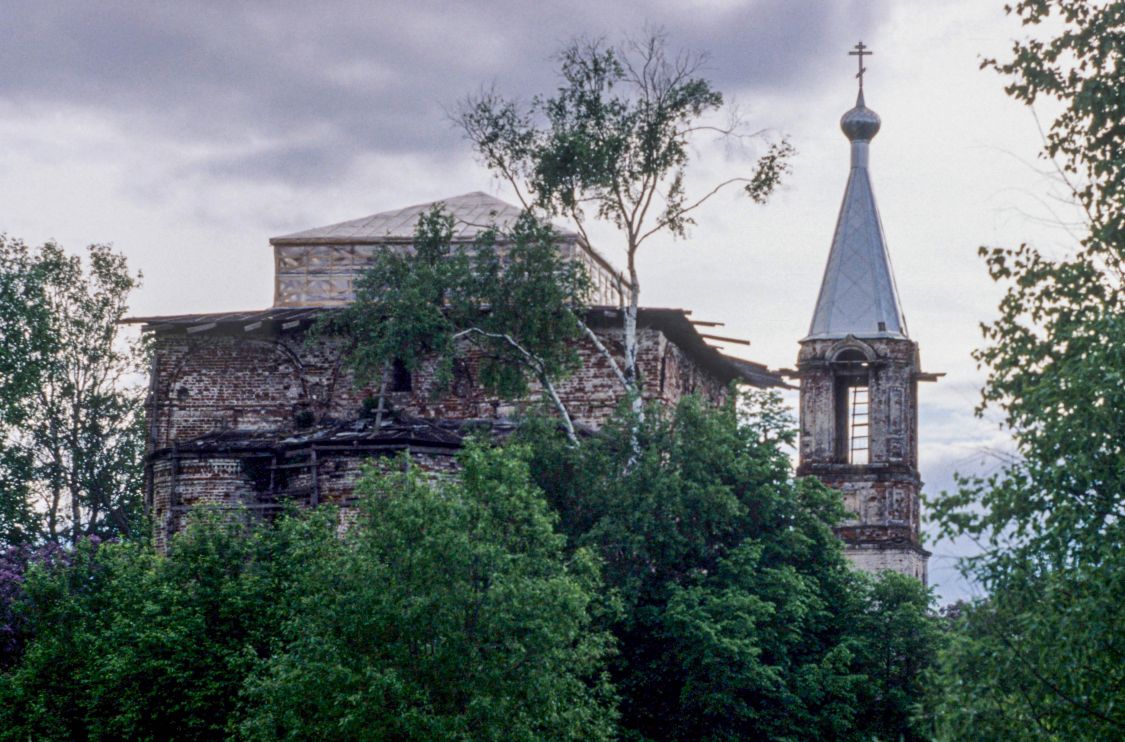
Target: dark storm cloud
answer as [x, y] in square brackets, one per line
[322, 83]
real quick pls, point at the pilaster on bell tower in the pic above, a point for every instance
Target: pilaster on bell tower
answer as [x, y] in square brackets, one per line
[859, 375]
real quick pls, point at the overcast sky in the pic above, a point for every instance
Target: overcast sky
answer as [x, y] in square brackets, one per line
[187, 134]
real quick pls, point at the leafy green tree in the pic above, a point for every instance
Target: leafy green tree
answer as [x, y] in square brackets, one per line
[126, 643]
[24, 338]
[1041, 659]
[23, 327]
[71, 428]
[614, 142]
[449, 611]
[18, 522]
[510, 299]
[897, 641]
[1041, 656]
[456, 609]
[742, 618]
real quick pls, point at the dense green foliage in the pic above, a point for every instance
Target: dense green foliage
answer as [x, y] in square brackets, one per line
[125, 644]
[700, 596]
[448, 611]
[742, 619]
[1042, 656]
[24, 339]
[70, 426]
[1056, 353]
[510, 299]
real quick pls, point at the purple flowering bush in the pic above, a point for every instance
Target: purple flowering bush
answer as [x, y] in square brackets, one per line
[15, 563]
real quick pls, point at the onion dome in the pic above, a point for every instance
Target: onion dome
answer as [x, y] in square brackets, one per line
[860, 123]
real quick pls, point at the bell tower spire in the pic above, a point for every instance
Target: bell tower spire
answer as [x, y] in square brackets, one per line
[858, 293]
[859, 377]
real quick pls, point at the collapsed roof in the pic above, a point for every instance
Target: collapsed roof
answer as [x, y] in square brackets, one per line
[675, 324]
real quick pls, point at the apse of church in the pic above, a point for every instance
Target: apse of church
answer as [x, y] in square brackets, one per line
[859, 373]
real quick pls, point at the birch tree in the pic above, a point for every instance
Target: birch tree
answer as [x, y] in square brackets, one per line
[1042, 656]
[613, 142]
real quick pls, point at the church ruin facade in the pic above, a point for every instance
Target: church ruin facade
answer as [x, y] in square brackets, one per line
[246, 411]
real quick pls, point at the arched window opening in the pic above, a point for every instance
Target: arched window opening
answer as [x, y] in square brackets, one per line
[462, 384]
[853, 408]
[401, 378]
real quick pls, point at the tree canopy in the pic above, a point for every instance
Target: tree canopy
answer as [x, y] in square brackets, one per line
[614, 141]
[448, 610]
[510, 299]
[742, 618]
[1041, 656]
[70, 421]
[451, 612]
[539, 594]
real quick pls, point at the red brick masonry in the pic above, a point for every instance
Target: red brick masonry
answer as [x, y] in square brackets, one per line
[246, 412]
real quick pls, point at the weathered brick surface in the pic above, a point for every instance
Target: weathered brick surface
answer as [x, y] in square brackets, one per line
[242, 483]
[883, 496]
[873, 559]
[210, 382]
[225, 385]
[318, 274]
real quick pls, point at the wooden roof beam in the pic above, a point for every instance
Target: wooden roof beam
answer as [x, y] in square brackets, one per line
[722, 339]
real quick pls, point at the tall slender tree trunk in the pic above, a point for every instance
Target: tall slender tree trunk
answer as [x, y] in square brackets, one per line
[632, 375]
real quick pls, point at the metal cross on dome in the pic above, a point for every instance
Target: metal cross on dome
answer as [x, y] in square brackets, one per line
[860, 52]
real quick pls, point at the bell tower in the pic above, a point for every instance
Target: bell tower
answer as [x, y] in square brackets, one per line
[859, 374]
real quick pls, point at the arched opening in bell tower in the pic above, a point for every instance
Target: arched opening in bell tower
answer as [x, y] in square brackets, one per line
[851, 371]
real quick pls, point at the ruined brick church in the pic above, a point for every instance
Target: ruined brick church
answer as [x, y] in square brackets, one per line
[247, 411]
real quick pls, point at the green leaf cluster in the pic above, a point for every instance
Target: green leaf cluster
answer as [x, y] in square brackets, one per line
[1041, 656]
[700, 595]
[71, 425]
[446, 610]
[1041, 659]
[128, 644]
[511, 300]
[613, 142]
[1073, 55]
[742, 618]
[615, 137]
[451, 612]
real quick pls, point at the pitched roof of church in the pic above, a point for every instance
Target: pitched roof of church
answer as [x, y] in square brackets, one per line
[858, 295]
[472, 214]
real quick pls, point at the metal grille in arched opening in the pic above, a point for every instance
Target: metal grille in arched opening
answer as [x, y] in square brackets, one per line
[853, 408]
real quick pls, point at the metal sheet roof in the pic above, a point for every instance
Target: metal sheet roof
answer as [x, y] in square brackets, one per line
[858, 295]
[472, 213]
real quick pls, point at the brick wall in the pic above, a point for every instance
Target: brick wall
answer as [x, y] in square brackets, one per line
[212, 382]
[883, 494]
[227, 385]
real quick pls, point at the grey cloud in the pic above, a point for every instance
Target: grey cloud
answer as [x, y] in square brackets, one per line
[329, 81]
[314, 162]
